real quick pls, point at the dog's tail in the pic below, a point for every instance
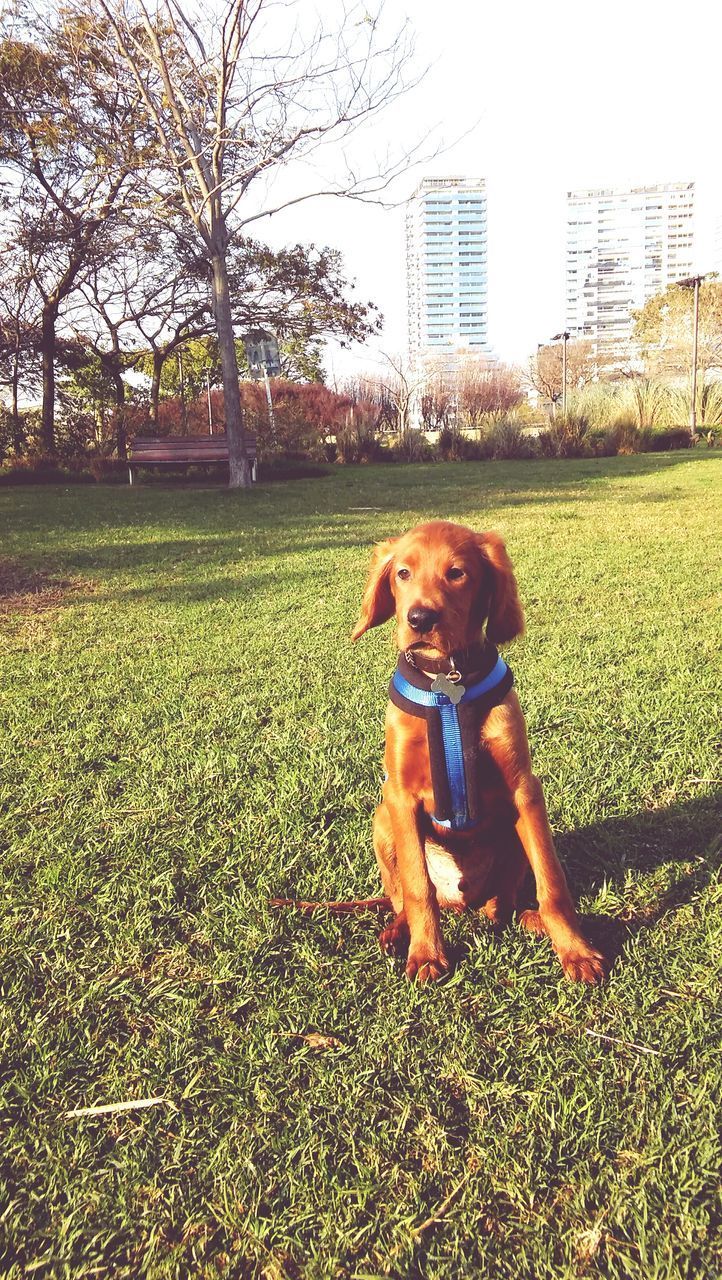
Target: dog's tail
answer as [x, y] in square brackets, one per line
[335, 908]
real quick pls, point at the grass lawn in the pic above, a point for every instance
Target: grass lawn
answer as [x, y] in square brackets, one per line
[187, 731]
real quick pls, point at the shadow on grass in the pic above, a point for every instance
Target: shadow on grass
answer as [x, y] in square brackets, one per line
[223, 519]
[605, 852]
[683, 837]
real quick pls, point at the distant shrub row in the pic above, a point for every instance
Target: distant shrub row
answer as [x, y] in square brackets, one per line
[569, 437]
[39, 469]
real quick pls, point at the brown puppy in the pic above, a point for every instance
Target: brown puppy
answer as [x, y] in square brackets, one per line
[454, 595]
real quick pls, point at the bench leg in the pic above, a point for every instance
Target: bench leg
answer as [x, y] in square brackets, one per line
[130, 475]
[254, 471]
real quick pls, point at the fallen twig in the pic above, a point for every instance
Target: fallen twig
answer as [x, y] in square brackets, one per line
[627, 1044]
[137, 1104]
[443, 1207]
[437, 1216]
[335, 908]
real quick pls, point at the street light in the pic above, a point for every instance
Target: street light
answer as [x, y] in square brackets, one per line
[564, 335]
[693, 282]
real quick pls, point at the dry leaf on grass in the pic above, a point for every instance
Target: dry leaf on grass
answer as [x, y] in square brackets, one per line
[315, 1039]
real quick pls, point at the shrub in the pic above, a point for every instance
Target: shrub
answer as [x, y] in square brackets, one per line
[650, 402]
[672, 438]
[109, 470]
[599, 403]
[566, 437]
[710, 404]
[357, 443]
[412, 446]
[602, 442]
[454, 445]
[507, 439]
[450, 443]
[625, 435]
[39, 468]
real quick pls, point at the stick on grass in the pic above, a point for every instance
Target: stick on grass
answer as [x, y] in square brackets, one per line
[626, 1044]
[135, 1104]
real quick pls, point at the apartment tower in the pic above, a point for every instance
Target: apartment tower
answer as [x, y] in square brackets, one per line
[623, 246]
[446, 269]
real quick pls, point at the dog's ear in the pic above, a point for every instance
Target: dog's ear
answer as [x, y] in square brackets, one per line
[502, 605]
[377, 603]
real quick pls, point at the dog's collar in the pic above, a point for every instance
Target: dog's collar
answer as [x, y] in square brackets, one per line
[453, 725]
[471, 658]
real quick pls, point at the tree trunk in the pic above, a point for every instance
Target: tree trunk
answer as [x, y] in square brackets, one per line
[47, 347]
[158, 362]
[14, 411]
[239, 468]
[120, 433]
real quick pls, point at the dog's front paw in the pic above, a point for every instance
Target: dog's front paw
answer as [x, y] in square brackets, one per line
[584, 964]
[532, 922]
[426, 963]
[394, 939]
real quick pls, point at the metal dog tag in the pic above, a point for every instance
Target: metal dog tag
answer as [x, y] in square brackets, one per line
[454, 690]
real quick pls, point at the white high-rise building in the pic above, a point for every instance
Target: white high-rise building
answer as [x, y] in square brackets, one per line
[623, 246]
[446, 269]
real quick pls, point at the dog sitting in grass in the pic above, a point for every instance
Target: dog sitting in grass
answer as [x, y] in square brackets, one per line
[462, 815]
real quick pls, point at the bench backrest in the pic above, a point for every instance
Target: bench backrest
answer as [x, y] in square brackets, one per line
[185, 448]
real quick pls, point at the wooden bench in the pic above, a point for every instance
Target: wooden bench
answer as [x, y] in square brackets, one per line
[184, 451]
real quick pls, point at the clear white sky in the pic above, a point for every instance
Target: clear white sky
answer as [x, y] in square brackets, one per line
[565, 95]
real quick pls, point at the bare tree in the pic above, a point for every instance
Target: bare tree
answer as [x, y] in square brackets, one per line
[438, 398]
[232, 99]
[401, 386]
[485, 389]
[113, 299]
[545, 372]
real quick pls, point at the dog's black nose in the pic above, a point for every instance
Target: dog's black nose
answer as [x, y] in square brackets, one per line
[422, 619]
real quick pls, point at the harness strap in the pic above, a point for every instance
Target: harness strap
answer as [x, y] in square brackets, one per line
[453, 735]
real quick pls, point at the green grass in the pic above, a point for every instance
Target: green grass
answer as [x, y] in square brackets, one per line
[187, 731]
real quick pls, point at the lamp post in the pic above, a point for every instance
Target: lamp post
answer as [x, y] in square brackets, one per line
[693, 282]
[564, 336]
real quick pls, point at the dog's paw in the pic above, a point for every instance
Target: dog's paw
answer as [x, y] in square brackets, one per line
[497, 911]
[394, 939]
[426, 964]
[532, 921]
[584, 964]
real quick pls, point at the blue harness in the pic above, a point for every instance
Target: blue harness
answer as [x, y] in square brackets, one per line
[453, 731]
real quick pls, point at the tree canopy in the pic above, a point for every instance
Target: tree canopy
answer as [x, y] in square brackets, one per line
[663, 330]
[546, 368]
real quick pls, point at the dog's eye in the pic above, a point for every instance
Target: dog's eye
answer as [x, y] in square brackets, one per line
[455, 573]
[403, 574]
